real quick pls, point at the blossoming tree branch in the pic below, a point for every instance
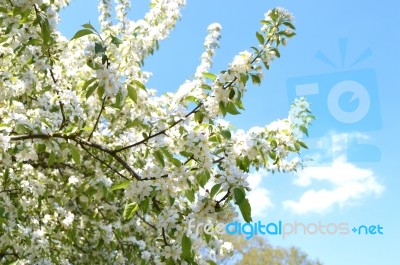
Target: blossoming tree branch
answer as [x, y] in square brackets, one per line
[95, 168]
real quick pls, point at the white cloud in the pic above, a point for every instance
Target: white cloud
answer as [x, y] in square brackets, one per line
[258, 196]
[347, 182]
[350, 183]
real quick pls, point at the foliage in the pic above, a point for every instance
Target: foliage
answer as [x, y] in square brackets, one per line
[95, 167]
[258, 251]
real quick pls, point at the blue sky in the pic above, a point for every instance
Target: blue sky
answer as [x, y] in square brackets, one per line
[347, 51]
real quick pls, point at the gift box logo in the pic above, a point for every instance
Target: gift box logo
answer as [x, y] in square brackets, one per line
[345, 102]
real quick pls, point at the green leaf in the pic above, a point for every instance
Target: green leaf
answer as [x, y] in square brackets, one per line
[272, 154]
[45, 31]
[89, 26]
[171, 261]
[245, 210]
[144, 205]
[25, 16]
[42, 147]
[34, 42]
[214, 139]
[130, 209]
[171, 158]
[215, 189]
[273, 143]
[199, 116]
[100, 91]
[139, 84]
[121, 185]
[3, 39]
[206, 87]
[132, 93]
[190, 195]
[186, 247]
[160, 157]
[312, 117]
[207, 237]
[192, 99]
[304, 129]
[260, 38]
[239, 195]
[22, 128]
[115, 40]
[185, 154]
[88, 82]
[296, 147]
[75, 154]
[256, 50]
[171, 200]
[81, 33]
[91, 89]
[92, 64]
[222, 107]
[231, 108]
[175, 161]
[288, 24]
[302, 144]
[13, 263]
[226, 134]
[239, 104]
[273, 15]
[104, 59]
[203, 178]
[246, 164]
[211, 262]
[52, 158]
[210, 76]
[232, 94]
[256, 79]
[277, 53]
[99, 48]
[287, 34]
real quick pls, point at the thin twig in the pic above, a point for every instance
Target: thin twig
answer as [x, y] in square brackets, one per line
[188, 160]
[104, 163]
[155, 178]
[64, 119]
[223, 198]
[160, 132]
[97, 120]
[218, 161]
[115, 234]
[144, 220]
[163, 230]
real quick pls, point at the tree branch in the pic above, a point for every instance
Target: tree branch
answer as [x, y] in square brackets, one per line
[9, 190]
[223, 198]
[160, 132]
[81, 142]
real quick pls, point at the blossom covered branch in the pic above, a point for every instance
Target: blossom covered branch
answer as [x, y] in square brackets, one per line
[119, 183]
